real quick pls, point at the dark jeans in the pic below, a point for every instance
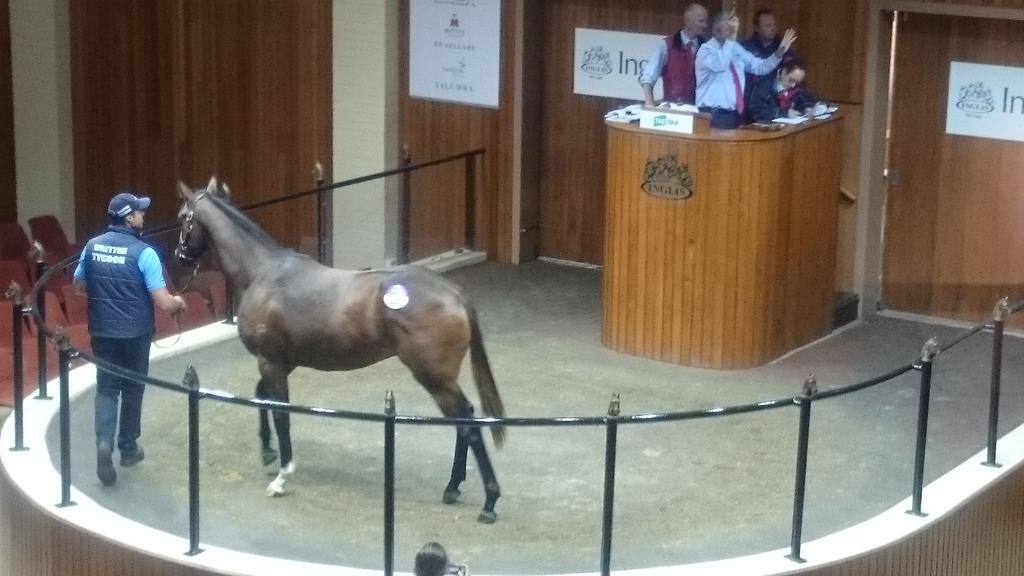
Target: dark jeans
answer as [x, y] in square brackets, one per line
[132, 354]
[722, 118]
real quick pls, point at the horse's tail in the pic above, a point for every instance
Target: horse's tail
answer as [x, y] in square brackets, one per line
[489, 397]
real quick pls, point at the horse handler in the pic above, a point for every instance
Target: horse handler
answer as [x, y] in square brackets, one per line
[122, 277]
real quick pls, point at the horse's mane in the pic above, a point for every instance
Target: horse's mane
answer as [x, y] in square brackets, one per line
[244, 222]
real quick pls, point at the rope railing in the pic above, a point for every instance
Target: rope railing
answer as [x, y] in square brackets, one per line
[390, 419]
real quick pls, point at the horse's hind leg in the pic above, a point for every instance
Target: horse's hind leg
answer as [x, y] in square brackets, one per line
[451, 492]
[453, 403]
[275, 384]
[267, 453]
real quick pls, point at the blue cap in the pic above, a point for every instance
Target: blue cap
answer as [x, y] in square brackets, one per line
[125, 203]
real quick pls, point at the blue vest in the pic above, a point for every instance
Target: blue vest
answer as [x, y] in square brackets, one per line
[119, 302]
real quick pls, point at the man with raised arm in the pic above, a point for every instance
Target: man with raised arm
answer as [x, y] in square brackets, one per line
[722, 64]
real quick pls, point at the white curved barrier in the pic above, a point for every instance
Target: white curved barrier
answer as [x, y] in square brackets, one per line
[32, 474]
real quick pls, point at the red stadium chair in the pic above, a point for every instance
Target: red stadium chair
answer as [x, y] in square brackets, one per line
[14, 245]
[12, 270]
[47, 231]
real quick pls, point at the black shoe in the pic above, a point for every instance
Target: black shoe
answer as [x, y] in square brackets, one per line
[132, 458]
[105, 465]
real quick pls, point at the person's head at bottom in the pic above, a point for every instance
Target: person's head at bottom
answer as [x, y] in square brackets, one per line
[431, 560]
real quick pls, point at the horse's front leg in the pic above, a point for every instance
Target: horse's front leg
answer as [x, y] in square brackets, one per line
[275, 385]
[267, 453]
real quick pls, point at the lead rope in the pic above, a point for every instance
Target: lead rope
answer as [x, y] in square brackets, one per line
[177, 315]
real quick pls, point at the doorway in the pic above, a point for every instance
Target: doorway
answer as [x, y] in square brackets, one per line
[953, 232]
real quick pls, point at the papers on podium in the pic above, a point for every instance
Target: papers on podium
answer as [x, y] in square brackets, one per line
[625, 115]
[791, 121]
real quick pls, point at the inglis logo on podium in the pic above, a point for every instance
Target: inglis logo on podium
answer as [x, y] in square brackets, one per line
[667, 178]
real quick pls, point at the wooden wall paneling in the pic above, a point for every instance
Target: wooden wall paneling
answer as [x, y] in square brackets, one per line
[436, 129]
[8, 182]
[830, 38]
[985, 3]
[573, 137]
[953, 242]
[190, 89]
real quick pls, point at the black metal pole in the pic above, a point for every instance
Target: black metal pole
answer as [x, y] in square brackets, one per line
[404, 206]
[229, 303]
[389, 484]
[64, 354]
[191, 381]
[931, 348]
[41, 342]
[800, 484]
[607, 517]
[998, 316]
[321, 243]
[470, 216]
[18, 374]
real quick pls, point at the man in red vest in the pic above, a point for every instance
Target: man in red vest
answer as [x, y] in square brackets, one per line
[673, 60]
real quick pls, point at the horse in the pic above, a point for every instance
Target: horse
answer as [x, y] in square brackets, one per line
[292, 311]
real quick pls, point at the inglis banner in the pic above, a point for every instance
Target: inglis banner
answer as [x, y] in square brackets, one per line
[608, 63]
[985, 101]
[454, 49]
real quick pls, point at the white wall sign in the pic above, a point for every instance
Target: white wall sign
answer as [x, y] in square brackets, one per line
[454, 49]
[985, 101]
[608, 63]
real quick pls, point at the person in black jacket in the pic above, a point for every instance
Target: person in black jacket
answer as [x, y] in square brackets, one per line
[123, 279]
[784, 96]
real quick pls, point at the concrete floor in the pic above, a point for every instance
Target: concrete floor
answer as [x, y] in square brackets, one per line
[686, 491]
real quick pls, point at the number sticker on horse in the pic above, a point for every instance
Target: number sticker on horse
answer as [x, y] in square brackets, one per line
[396, 297]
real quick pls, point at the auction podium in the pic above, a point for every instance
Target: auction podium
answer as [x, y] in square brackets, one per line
[720, 246]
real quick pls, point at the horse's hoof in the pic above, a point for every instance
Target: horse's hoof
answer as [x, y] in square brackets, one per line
[275, 491]
[269, 456]
[451, 495]
[487, 517]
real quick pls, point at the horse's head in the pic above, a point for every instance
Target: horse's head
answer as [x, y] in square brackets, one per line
[192, 241]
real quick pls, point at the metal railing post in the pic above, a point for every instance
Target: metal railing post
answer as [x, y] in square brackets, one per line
[41, 341]
[64, 354]
[470, 203]
[928, 352]
[796, 534]
[321, 200]
[389, 484]
[17, 367]
[229, 302]
[404, 208]
[191, 381]
[999, 314]
[607, 516]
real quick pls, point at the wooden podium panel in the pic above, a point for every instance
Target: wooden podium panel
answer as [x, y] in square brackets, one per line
[740, 272]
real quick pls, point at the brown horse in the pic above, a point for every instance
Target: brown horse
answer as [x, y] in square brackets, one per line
[292, 312]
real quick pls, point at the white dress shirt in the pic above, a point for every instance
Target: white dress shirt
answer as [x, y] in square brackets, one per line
[715, 87]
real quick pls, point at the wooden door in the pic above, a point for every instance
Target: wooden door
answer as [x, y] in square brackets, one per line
[240, 89]
[954, 222]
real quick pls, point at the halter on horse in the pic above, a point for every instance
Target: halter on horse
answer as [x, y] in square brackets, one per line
[292, 312]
